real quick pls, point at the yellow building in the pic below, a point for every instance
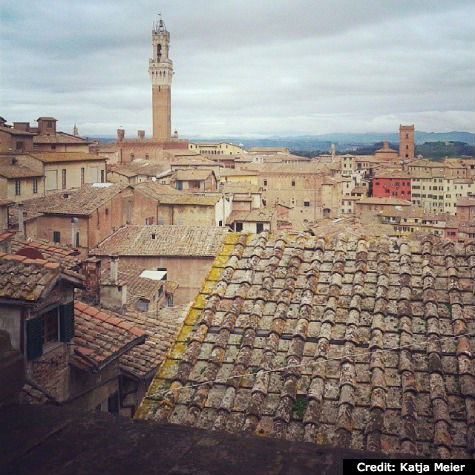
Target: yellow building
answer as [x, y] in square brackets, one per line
[215, 148]
[63, 171]
[437, 192]
[236, 175]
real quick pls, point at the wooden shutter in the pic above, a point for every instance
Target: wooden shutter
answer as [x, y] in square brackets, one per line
[34, 339]
[66, 321]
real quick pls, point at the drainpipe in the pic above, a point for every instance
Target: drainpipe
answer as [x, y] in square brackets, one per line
[21, 221]
[114, 269]
[74, 230]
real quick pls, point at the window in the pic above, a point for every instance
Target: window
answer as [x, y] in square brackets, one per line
[17, 187]
[149, 220]
[169, 300]
[265, 182]
[56, 236]
[107, 211]
[19, 146]
[102, 176]
[142, 304]
[63, 178]
[293, 182]
[53, 147]
[49, 329]
[35, 185]
[76, 244]
[238, 226]
[49, 124]
[82, 176]
[306, 204]
[113, 403]
[259, 227]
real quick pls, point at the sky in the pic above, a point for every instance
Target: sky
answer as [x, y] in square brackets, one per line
[251, 68]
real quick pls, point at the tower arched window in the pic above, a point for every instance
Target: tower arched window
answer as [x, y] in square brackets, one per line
[159, 52]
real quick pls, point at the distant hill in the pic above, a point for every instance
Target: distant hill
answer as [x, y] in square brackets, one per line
[343, 141]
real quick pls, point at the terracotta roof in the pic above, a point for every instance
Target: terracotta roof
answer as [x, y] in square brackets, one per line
[387, 173]
[359, 189]
[60, 137]
[239, 187]
[186, 175]
[161, 331]
[101, 336]
[79, 201]
[13, 131]
[18, 171]
[33, 393]
[26, 279]
[50, 251]
[358, 343]
[237, 172]
[137, 286]
[261, 215]
[156, 190]
[193, 161]
[268, 149]
[465, 201]
[385, 201]
[189, 199]
[162, 240]
[52, 157]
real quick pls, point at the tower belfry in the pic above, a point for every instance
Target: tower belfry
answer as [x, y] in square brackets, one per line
[161, 73]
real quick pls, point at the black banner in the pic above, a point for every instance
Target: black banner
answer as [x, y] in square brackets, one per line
[400, 466]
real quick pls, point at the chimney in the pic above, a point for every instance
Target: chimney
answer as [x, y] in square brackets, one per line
[141, 134]
[114, 269]
[91, 270]
[21, 221]
[120, 135]
[74, 230]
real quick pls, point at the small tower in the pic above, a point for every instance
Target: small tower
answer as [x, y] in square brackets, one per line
[161, 72]
[406, 142]
[75, 130]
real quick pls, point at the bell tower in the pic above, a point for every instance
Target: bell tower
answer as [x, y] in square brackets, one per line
[160, 69]
[406, 141]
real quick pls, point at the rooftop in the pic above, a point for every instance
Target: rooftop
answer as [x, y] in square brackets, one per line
[80, 201]
[49, 251]
[384, 201]
[101, 336]
[162, 240]
[52, 157]
[190, 199]
[18, 171]
[60, 138]
[156, 190]
[255, 215]
[355, 343]
[186, 175]
[55, 441]
[161, 331]
[26, 279]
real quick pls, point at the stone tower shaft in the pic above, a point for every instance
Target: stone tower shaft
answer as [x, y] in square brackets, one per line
[160, 69]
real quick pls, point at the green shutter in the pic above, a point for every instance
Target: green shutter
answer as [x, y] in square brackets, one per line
[34, 339]
[66, 321]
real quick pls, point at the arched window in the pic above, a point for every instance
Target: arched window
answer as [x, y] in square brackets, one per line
[159, 52]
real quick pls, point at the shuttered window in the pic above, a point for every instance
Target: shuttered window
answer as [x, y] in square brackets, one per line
[34, 335]
[66, 321]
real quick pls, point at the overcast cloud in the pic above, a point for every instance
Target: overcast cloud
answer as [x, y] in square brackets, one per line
[242, 67]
